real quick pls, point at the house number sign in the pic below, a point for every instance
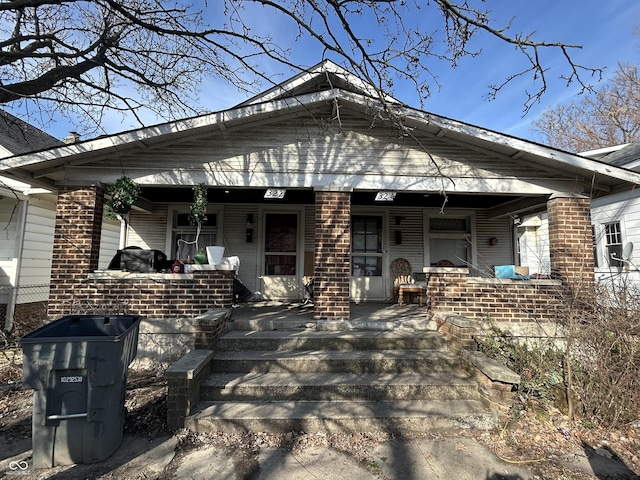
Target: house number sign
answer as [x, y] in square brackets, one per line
[385, 196]
[274, 193]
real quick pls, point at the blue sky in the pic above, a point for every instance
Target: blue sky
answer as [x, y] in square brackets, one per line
[603, 28]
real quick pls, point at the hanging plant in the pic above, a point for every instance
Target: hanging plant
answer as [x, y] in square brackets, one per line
[123, 194]
[198, 209]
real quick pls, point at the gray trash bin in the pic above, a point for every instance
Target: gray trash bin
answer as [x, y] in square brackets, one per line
[77, 366]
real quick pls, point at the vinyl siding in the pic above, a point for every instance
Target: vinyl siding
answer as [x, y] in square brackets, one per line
[109, 242]
[9, 220]
[35, 264]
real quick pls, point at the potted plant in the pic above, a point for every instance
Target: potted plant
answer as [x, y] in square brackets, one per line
[197, 214]
[122, 194]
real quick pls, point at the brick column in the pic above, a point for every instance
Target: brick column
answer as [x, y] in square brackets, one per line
[76, 244]
[571, 242]
[332, 257]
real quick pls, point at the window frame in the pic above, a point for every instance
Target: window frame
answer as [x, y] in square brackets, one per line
[613, 247]
[173, 229]
[469, 236]
[377, 254]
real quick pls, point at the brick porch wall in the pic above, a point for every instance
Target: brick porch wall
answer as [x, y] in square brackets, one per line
[332, 258]
[75, 257]
[154, 295]
[494, 299]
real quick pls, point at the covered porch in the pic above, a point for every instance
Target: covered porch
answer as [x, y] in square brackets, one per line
[296, 190]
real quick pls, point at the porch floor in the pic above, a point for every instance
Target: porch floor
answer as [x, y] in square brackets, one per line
[271, 315]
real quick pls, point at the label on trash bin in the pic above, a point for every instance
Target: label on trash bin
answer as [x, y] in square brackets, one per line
[72, 379]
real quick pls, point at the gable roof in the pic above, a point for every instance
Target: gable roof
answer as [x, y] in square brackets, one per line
[19, 137]
[323, 76]
[326, 86]
[628, 156]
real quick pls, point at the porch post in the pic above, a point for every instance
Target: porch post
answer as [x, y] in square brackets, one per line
[332, 257]
[571, 243]
[76, 244]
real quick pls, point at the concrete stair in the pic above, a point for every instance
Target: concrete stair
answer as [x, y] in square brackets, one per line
[301, 379]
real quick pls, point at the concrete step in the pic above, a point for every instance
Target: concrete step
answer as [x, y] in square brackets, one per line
[322, 361]
[344, 386]
[330, 340]
[401, 417]
[270, 323]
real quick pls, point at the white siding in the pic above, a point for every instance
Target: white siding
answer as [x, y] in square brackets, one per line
[149, 231]
[234, 229]
[10, 215]
[109, 242]
[626, 210]
[488, 255]
[37, 251]
[412, 232]
[533, 238]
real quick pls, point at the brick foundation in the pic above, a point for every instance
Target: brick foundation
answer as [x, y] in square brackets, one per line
[332, 257]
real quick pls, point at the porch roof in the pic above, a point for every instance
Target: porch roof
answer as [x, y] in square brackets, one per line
[304, 94]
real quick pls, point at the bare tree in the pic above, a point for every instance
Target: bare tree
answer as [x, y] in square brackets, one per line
[605, 117]
[87, 57]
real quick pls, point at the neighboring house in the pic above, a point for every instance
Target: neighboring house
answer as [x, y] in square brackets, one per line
[615, 221]
[27, 221]
[311, 178]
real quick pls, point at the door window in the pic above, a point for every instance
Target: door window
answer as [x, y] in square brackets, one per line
[366, 246]
[281, 237]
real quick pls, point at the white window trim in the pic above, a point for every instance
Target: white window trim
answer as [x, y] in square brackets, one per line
[606, 263]
[217, 210]
[470, 236]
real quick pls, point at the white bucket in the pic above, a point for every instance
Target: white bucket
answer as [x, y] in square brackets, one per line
[214, 254]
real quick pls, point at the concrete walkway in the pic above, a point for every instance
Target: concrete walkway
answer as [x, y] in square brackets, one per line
[445, 458]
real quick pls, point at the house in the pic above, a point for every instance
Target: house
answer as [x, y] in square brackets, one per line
[614, 218]
[27, 220]
[315, 177]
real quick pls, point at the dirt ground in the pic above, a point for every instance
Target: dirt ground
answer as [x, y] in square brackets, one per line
[543, 442]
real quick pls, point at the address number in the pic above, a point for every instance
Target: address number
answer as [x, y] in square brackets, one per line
[385, 196]
[274, 193]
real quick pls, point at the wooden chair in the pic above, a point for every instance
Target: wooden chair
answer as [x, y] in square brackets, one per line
[444, 263]
[401, 271]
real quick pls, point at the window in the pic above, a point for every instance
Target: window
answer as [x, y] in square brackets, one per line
[280, 247]
[366, 245]
[449, 240]
[613, 243]
[184, 235]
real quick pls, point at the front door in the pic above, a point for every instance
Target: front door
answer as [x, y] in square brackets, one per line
[281, 258]
[367, 279]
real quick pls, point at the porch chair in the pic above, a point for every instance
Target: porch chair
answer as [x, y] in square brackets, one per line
[401, 272]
